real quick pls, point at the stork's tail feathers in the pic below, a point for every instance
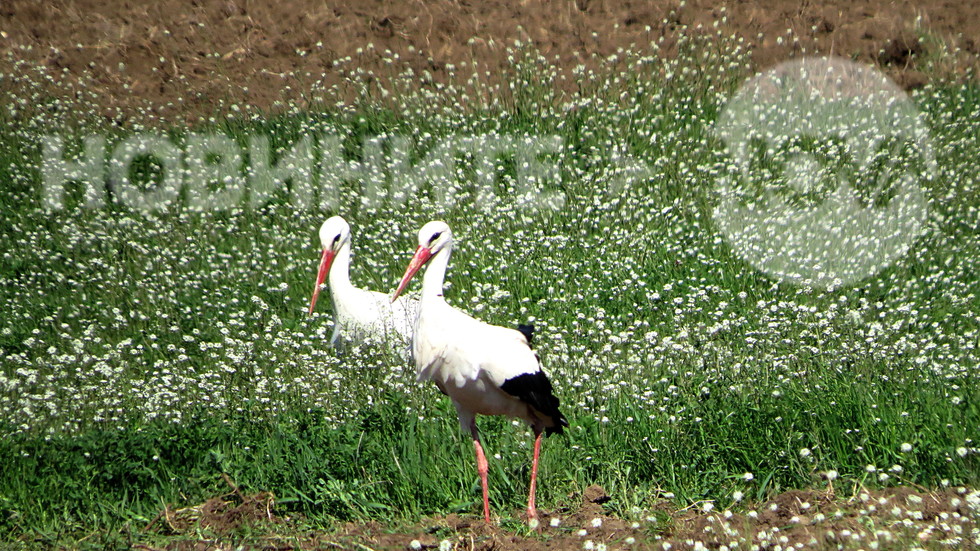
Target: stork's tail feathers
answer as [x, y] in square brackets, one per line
[559, 425]
[535, 390]
[527, 330]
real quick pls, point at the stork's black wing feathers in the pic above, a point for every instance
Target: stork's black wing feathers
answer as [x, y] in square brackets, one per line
[535, 390]
[527, 330]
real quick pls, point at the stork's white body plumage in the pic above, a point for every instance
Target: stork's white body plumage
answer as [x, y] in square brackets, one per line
[362, 315]
[485, 369]
[470, 361]
[359, 314]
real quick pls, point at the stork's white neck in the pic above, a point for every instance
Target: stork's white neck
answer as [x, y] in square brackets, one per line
[435, 274]
[340, 270]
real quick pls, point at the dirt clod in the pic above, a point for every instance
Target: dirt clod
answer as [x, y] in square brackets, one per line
[595, 494]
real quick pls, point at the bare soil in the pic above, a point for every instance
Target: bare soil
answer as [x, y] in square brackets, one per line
[895, 518]
[194, 57]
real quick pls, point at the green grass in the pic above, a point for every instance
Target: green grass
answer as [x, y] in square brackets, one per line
[143, 355]
[389, 465]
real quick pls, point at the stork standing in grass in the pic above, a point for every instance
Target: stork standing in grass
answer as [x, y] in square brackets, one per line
[359, 314]
[484, 369]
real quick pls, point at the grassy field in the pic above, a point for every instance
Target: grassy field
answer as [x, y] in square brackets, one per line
[146, 353]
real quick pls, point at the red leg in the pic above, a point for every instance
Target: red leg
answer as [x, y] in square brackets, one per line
[531, 511]
[482, 467]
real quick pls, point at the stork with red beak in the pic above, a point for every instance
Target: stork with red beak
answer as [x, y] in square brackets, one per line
[484, 369]
[359, 314]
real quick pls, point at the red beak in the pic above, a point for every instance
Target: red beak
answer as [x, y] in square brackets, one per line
[325, 261]
[422, 255]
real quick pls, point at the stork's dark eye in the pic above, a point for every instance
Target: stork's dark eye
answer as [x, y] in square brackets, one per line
[434, 237]
[336, 238]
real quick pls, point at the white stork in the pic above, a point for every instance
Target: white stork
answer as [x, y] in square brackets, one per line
[484, 369]
[359, 314]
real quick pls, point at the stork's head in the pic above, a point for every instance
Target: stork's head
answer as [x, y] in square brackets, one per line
[433, 238]
[334, 234]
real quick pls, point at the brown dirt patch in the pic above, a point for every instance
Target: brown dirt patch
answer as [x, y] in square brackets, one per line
[188, 58]
[226, 514]
[893, 518]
